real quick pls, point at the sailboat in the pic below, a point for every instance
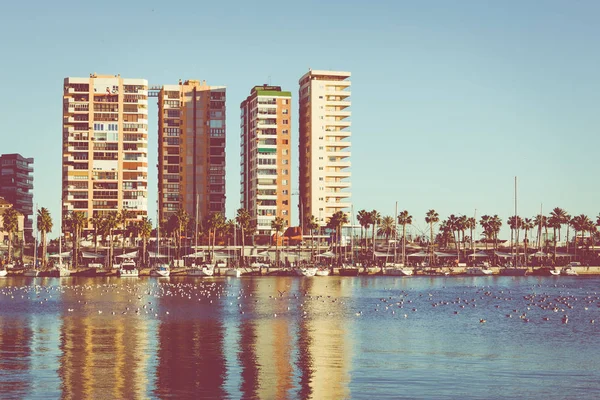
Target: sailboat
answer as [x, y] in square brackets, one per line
[515, 270]
[60, 270]
[33, 271]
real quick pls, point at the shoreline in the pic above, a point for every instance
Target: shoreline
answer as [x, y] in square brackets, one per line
[373, 271]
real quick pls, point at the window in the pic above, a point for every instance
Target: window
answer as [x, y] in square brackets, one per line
[284, 212]
[284, 182]
[285, 152]
[321, 178]
[320, 168]
[285, 111]
[285, 132]
[284, 171]
[285, 192]
[284, 162]
[285, 101]
[285, 121]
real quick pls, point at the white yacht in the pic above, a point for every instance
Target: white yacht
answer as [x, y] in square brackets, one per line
[478, 271]
[397, 270]
[201, 270]
[128, 269]
[3, 272]
[323, 271]
[306, 271]
[31, 273]
[60, 270]
[161, 271]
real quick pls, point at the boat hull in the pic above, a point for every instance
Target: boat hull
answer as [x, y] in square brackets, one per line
[157, 273]
[311, 271]
[398, 271]
[323, 272]
[129, 273]
[348, 271]
[513, 271]
[233, 272]
[200, 272]
[31, 273]
[3, 273]
[476, 271]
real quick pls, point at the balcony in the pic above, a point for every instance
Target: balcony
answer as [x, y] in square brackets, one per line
[337, 184]
[338, 174]
[340, 123]
[337, 154]
[336, 195]
[338, 103]
[339, 164]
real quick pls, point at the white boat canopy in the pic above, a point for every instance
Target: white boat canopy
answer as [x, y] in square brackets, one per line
[480, 254]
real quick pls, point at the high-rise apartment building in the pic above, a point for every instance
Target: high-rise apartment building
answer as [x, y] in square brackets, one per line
[191, 149]
[266, 156]
[323, 145]
[16, 185]
[105, 145]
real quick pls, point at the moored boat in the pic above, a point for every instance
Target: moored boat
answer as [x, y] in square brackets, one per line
[161, 271]
[478, 271]
[234, 272]
[59, 271]
[509, 271]
[569, 271]
[200, 270]
[306, 271]
[128, 269]
[31, 273]
[348, 271]
[3, 272]
[323, 271]
[397, 270]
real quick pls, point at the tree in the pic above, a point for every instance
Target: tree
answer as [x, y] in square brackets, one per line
[109, 223]
[471, 224]
[554, 222]
[215, 223]
[387, 228]
[404, 218]
[278, 224]
[485, 222]
[75, 221]
[541, 221]
[181, 219]
[95, 221]
[432, 217]
[10, 224]
[364, 219]
[144, 228]
[515, 223]
[312, 224]
[374, 219]
[453, 225]
[527, 226]
[243, 219]
[44, 226]
[495, 224]
[335, 223]
[124, 218]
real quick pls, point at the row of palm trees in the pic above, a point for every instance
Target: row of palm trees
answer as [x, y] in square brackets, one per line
[453, 229]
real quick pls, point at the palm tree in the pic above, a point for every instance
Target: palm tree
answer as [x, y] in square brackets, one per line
[541, 221]
[75, 222]
[374, 219]
[44, 226]
[10, 224]
[243, 219]
[404, 218]
[527, 225]
[312, 224]
[461, 225]
[123, 218]
[387, 228]
[144, 228]
[181, 220]
[432, 217]
[453, 225]
[592, 229]
[278, 224]
[554, 222]
[109, 223]
[560, 215]
[577, 223]
[364, 219]
[95, 221]
[496, 224]
[485, 222]
[215, 223]
[335, 223]
[471, 224]
[515, 223]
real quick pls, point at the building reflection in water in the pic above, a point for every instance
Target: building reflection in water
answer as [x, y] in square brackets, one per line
[15, 356]
[190, 355]
[103, 355]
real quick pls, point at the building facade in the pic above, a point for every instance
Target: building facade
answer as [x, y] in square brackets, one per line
[16, 187]
[105, 146]
[266, 157]
[191, 149]
[324, 148]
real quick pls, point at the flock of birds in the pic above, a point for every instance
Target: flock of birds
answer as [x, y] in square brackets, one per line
[161, 299]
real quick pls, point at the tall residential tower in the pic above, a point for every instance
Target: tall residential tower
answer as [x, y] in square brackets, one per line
[323, 148]
[265, 156]
[191, 149]
[16, 185]
[105, 145]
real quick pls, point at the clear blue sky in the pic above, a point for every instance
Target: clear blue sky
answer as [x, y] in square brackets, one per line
[450, 100]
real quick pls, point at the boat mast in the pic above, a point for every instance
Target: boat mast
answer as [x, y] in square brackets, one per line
[35, 241]
[395, 233]
[352, 234]
[516, 249]
[196, 234]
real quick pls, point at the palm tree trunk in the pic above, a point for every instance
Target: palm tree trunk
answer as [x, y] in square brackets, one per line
[525, 246]
[554, 244]
[403, 244]
[44, 249]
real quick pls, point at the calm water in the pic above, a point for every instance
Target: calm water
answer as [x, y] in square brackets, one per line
[296, 338]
